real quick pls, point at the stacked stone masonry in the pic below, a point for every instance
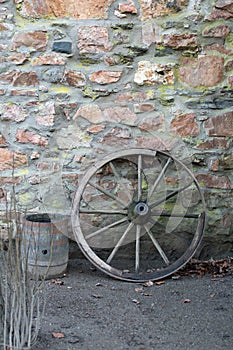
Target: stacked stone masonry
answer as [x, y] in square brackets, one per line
[79, 79]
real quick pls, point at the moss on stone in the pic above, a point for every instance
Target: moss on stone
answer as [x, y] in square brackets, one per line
[61, 90]
[125, 59]
[25, 199]
[89, 92]
[150, 94]
[125, 26]
[89, 60]
[21, 172]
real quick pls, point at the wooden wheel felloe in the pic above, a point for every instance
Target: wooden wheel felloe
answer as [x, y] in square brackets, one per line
[138, 215]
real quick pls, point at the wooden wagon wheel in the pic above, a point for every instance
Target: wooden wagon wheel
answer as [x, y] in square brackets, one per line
[138, 215]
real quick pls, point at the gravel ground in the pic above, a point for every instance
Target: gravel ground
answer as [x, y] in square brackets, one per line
[88, 310]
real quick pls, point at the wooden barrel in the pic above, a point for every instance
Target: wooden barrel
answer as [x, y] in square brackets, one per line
[44, 245]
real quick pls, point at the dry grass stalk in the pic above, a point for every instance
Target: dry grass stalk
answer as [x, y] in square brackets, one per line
[21, 297]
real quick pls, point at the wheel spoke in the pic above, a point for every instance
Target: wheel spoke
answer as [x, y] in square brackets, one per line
[119, 180]
[158, 179]
[157, 246]
[137, 248]
[103, 229]
[119, 243]
[176, 215]
[109, 194]
[170, 195]
[99, 211]
[139, 177]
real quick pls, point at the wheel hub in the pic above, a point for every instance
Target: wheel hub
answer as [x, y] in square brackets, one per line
[141, 209]
[139, 213]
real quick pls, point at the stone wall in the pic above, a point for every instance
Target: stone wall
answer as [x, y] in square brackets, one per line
[79, 79]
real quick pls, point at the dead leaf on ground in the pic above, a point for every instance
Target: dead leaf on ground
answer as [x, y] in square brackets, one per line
[139, 289]
[97, 296]
[147, 294]
[216, 268]
[58, 335]
[135, 301]
[99, 284]
[187, 301]
[159, 283]
[58, 282]
[175, 277]
[148, 284]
